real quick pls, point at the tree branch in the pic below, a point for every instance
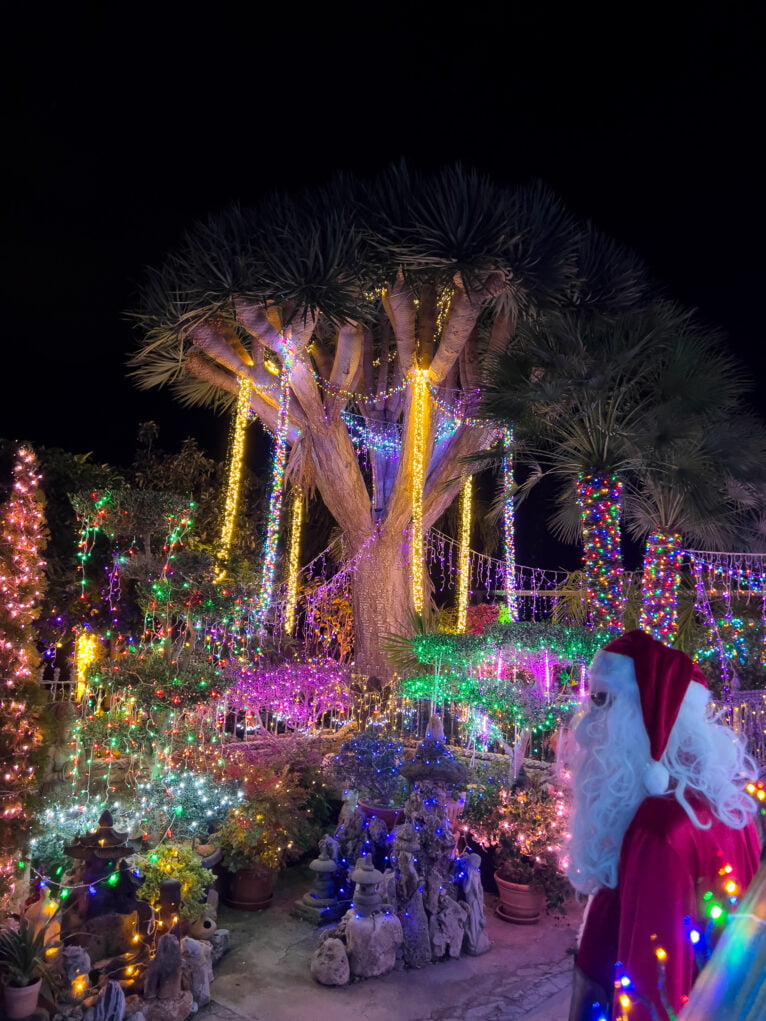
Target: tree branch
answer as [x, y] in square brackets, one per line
[400, 309]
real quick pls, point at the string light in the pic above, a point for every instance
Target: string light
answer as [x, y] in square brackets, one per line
[85, 652]
[509, 544]
[263, 602]
[234, 474]
[464, 574]
[293, 558]
[420, 415]
[600, 500]
[659, 588]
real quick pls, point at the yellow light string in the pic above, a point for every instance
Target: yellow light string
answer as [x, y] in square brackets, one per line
[464, 551]
[234, 479]
[420, 408]
[84, 654]
[293, 558]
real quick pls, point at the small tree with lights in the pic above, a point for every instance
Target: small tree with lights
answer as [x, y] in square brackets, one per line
[22, 534]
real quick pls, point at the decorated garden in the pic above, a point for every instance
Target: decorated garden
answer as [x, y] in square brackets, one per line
[214, 674]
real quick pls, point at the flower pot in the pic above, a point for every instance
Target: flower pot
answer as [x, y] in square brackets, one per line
[519, 903]
[250, 889]
[390, 816]
[20, 1001]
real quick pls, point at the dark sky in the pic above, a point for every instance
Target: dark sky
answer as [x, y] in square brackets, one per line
[123, 126]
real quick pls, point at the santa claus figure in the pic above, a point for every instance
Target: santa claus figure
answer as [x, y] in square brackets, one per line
[662, 831]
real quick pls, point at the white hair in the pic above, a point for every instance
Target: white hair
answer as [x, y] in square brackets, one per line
[610, 770]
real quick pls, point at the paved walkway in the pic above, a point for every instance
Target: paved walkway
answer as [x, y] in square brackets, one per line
[265, 977]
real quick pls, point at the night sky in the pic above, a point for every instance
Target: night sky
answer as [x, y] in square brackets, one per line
[124, 126]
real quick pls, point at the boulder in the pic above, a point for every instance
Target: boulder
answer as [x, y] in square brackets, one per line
[329, 963]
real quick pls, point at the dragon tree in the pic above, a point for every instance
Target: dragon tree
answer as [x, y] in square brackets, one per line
[374, 307]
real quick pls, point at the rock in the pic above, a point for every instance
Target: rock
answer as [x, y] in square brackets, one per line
[417, 941]
[198, 958]
[446, 928]
[372, 943]
[108, 935]
[221, 944]
[163, 976]
[110, 1005]
[329, 963]
[176, 1009]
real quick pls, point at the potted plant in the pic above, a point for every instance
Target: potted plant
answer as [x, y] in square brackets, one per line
[369, 763]
[22, 967]
[260, 836]
[528, 874]
[522, 827]
[180, 862]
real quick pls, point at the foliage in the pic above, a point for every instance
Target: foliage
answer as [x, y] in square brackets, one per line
[57, 825]
[478, 617]
[269, 829]
[22, 953]
[369, 763]
[296, 695]
[175, 861]
[186, 803]
[155, 680]
[524, 826]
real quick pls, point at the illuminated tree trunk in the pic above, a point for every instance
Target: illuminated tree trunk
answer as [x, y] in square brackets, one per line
[599, 500]
[659, 586]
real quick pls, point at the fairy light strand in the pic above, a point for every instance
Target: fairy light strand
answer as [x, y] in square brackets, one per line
[509, 539]
[293, 559]
[464, 572]
[234, 479]
[263, 601]
[420, 393]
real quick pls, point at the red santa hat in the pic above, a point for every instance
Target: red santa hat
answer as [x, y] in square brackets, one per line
[662, 676]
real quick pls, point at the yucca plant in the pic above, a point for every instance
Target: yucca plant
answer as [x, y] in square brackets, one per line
[22, 954]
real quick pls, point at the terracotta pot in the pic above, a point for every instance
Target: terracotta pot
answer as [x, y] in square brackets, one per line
[250, 889]
[519, 903]
[390, 816]
[20, 1001]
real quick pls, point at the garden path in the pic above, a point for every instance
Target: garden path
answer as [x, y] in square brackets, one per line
[265, 977]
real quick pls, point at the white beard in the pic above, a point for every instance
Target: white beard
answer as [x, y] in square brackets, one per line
[608, 788]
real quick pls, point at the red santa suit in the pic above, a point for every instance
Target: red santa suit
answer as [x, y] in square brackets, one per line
[666, 867]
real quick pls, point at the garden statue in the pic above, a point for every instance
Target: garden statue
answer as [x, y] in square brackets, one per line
[476, 940]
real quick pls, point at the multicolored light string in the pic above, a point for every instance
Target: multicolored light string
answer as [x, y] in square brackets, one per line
[263, 601]
[293, 558]
[464, 571]
[420, 410]
[509, 540]
[600, 501]
[659, 590]
[234, 476]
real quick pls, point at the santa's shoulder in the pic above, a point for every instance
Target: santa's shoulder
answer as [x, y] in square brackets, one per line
[663, 816]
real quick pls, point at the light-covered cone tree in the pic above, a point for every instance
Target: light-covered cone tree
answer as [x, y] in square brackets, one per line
[380, 301]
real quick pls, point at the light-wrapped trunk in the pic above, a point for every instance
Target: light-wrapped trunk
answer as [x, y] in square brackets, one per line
[659, 585]
[600, 501]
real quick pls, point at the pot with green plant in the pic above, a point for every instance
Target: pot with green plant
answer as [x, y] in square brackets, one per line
[22, 967]
[528, 875]
[257, 839]
[182, 863]
[369, 763]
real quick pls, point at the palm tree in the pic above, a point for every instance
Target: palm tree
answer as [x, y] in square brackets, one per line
[578, 389]
[698, 447]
